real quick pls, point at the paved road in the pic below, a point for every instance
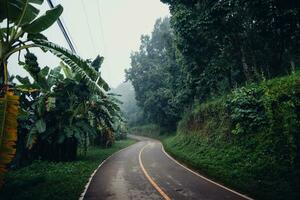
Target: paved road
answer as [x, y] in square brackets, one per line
[144, 171]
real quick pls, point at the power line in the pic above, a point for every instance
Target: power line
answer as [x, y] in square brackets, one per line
[106, 53]
[101, 27]
[70, 36]
[89, 27]
[63, 29]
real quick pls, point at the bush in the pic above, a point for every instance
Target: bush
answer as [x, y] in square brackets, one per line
[149, 130]
[56, 180]
[121, 136]
[246, 109]
[248, 139]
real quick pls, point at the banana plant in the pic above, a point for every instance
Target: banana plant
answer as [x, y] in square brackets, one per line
[19, 23]
[78, 111]
[8, 125]
[102, 110]
[23, 31]
[20, 29]
[81, 67]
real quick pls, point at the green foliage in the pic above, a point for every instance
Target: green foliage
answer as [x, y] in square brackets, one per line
[121, 130]
[247, 109]
[223, 56]
[149, 130]
[62, 113]
[228, 43]
[80, 66]
[248, 139]
[43, 179]
[59, 112]
[252, 107]
[19, 12]
[157, 78]
[22, 26]
[44, 22]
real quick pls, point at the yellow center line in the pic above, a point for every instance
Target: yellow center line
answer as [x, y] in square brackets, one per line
[153, 183]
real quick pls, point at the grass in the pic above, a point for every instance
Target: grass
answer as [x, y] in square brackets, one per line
[44, 180]
[225, 165]
[236, 167]
[248, 140]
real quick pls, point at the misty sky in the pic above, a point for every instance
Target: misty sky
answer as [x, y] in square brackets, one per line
[115, 30]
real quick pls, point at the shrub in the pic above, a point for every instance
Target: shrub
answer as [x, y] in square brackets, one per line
[248, 139]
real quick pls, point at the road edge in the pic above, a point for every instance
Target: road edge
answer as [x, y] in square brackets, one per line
[201, 176]
[81, 197]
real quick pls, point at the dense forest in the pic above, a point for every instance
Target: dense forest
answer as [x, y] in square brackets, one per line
[212, 48]
[224, 75]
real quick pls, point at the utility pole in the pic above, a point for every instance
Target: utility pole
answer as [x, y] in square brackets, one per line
[63, 29]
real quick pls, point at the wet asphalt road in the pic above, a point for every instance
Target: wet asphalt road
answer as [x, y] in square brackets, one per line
[122, 177]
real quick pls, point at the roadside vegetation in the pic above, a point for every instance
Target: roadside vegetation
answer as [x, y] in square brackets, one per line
[149, 130]
[58, 122]
[223, 76]
[56, 180]
[258, 157]
[246, 140]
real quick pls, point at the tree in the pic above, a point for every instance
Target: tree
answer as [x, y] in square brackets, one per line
[157, 79]
[22, 31]
[21, 19]
[60, 112]
[229, 43]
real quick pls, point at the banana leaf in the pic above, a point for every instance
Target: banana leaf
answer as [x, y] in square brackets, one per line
[9, 108]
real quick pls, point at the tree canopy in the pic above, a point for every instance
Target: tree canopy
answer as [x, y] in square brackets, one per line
[227, 43]
[209, 47]
[156, 76]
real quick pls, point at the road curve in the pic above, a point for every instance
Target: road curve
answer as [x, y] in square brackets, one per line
[144, 171]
